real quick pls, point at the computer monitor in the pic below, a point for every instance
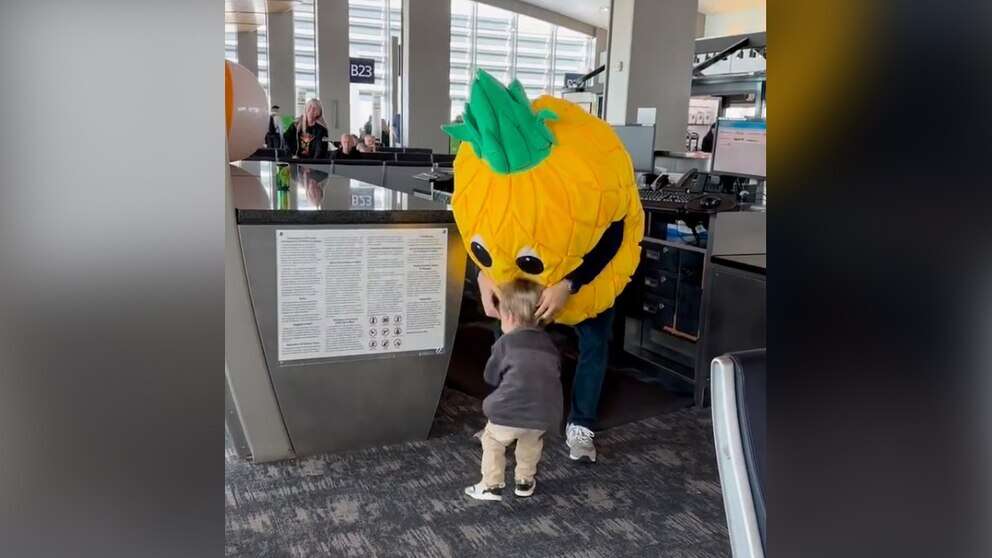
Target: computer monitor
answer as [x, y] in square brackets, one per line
[739, 148]
[639, 141]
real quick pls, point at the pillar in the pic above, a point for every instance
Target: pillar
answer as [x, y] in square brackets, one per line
[426, 60]
[248, 50]
[652, 43]
[282, 65]
[332, 64]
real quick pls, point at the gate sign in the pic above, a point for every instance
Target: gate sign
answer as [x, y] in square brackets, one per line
[361, 70]
[572, 80]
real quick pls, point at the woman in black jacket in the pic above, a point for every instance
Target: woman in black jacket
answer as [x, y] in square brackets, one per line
[305, 137]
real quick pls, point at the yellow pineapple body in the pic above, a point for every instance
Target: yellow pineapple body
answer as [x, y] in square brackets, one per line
[556, 210]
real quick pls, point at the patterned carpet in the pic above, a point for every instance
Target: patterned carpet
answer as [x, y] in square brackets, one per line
[654, 492]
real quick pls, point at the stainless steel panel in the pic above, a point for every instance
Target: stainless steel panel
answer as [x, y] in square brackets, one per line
[247, 385]
[736, 315]
[354, 402]
[738, 232]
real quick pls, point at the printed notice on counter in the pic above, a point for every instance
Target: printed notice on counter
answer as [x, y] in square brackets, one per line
[360, 291]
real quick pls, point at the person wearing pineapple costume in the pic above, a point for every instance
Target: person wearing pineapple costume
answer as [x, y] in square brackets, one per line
[545, 191]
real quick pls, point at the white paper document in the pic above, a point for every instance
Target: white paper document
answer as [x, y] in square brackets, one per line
[360, 291]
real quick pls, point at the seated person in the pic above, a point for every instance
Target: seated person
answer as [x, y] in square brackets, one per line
[707, 144]
[368, 144]
[273, 137]
[305, 137]
[349, 147]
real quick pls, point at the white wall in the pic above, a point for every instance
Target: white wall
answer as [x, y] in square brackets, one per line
[656, 73]
[282, 62]
[332, 64]
[621, 35]
[735, 23]
[426, 66]
[248, 50]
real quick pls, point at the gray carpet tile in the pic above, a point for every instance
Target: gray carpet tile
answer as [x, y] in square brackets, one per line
[654, 492]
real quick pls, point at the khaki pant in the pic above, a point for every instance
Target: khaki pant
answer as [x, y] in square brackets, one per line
[495, 440]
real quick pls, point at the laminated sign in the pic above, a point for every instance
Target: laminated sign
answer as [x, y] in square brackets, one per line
[360, 291]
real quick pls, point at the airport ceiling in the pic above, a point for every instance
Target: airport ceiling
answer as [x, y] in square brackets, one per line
[591, 12]
[249, 15]
[597, 12]
[721, 6]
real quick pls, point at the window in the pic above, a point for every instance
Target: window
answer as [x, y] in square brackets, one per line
[512, 46]
[304, 52]
[574, 53]
[371, 26]
[263, 62]
[231, 43]
[534, 54]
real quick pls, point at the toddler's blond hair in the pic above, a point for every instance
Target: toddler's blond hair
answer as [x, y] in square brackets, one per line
[519, 298]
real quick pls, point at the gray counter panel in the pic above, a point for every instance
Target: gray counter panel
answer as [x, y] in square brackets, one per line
[356, 402]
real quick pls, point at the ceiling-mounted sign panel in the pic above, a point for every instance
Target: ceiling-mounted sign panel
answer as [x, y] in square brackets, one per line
[361, 70]
[572, 80]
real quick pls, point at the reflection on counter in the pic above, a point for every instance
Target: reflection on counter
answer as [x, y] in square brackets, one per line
[279, 186]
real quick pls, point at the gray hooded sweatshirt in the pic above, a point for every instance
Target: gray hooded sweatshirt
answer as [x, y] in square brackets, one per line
[525, 368]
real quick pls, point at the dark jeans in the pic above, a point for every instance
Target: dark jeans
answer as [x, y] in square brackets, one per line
[594, 335]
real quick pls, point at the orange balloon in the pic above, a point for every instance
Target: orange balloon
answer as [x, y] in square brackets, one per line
[246, 114]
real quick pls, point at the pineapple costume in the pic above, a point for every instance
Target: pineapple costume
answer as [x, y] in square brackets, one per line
[537, 186]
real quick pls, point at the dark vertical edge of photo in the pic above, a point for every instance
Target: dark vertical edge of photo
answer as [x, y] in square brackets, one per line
[879, 279]
[112, 174]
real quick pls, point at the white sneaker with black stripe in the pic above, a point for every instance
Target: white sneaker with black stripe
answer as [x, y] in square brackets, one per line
[524, 488]
[479, 492]
[579, 442]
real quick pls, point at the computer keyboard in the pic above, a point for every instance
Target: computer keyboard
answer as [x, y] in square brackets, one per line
[664, 196]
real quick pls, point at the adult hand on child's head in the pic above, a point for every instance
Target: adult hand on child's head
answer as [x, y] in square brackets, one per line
[552, 300]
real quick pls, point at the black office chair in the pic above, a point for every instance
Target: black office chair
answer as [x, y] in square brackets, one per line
[443, 158]
[418, 150]
[358, 162]
[391, 149]
[264, 154]
[737, 386]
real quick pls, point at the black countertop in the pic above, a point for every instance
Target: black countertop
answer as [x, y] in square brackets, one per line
[748, 262]
[304, 194]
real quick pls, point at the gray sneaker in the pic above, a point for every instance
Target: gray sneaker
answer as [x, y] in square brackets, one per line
[579, 442]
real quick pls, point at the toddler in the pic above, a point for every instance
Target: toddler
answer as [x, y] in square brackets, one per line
[526, 371]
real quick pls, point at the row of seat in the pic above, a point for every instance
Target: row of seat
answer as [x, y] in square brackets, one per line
[424, 156]
[398, 175]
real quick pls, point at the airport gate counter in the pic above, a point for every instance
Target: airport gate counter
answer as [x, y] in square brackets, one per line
[342, 304]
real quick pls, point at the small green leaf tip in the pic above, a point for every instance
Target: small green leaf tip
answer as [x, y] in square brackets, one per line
[502, 127]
